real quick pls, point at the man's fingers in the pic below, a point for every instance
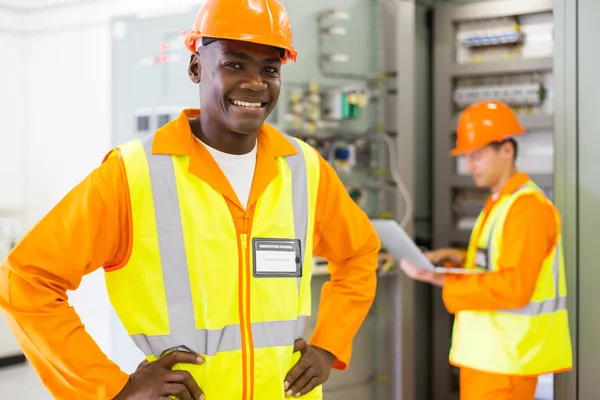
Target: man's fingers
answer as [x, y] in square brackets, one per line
[179, 357]
[314, 381]
[300, 345]
[294, 374]
[301, 381]
[186, 378]
[410, 269]
[435, 256]
[414, 272]
[179, 390]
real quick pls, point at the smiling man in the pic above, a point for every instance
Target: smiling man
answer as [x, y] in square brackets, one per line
[206, 230]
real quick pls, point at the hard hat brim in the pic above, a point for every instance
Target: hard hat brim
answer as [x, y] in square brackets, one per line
[458, 151]
[290, 55]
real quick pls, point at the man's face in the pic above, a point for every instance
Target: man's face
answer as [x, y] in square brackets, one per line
[240, 83]
[486, 165]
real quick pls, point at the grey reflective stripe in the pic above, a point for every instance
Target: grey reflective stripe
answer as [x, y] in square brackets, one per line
[170, 240]
[211, 342]
[557, 303]
[542, 307]
[183, 333]
[278, 333]
[489, 265]
[297, 165]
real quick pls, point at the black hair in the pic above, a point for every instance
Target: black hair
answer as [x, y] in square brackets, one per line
[497, 145]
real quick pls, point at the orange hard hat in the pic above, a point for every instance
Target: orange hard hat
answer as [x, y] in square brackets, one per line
[255, 21]
[483, 123]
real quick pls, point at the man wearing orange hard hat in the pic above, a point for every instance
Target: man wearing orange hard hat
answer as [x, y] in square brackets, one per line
[206, 231]
[511, 323]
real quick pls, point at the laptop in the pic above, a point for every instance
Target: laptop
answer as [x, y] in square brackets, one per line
[395, 240]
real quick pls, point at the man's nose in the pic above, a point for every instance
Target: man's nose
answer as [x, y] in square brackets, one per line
[254, 82]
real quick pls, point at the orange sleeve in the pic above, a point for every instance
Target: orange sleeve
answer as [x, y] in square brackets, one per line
[345, 237]
[87, 229]
[529, 235]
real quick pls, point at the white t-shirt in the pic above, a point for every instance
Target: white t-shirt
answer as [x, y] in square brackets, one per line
[238, 169]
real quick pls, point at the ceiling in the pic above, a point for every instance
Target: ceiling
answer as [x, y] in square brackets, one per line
[28, 5]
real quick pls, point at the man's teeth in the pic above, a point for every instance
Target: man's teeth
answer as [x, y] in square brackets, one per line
[246, 104]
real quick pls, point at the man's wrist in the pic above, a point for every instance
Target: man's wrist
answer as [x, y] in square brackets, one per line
[328, 356]
[122, 395]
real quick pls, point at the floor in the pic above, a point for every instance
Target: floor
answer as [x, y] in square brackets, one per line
[20, 382]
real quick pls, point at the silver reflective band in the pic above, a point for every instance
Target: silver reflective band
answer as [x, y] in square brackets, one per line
[297, 165]
[557, 303]
[183, 332]
[538, 308]
[210, 342]
[170, 240]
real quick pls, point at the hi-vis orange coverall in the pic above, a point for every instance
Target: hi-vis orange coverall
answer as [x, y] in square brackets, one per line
[91, 228]
[511, 287]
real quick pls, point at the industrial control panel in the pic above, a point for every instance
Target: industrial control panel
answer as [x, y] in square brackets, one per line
[486, 50]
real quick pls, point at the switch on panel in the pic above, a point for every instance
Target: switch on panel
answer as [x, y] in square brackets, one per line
[163, 119]
[143, 123]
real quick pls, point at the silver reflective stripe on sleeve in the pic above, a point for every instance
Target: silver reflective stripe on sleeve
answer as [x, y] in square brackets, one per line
[183, 332]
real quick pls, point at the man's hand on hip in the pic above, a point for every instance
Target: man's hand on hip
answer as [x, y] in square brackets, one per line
[156, 380]
[310, 371]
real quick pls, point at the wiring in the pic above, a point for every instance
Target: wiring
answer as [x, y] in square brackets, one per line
[408, 203]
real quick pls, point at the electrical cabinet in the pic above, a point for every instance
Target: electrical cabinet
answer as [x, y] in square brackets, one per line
[503, 50]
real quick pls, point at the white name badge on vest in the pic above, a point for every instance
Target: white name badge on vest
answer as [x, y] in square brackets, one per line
[277, 258]
[481, 258]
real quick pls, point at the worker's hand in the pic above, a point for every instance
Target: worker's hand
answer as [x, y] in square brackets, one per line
[156, 381]
[310, 371]
[454, 256]
[421, 274]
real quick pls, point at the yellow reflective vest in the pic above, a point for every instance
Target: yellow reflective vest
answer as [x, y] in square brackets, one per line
[531, 340]
[192, 282]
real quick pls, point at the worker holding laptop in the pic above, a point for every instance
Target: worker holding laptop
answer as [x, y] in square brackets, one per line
[511, 323]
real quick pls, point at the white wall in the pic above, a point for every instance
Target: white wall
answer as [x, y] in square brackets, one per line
[56, 125]
[13, 103]
[11, 21]
[69, 133]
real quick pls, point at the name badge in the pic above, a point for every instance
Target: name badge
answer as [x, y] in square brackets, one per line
[481, 258]
[276, 258]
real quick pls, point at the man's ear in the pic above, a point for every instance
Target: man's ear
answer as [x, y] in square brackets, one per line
[194, 68]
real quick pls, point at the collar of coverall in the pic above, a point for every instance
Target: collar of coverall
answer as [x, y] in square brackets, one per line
[176, 138]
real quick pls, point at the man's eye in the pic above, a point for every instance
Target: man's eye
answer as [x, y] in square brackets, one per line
[271, 70]
[233, 65]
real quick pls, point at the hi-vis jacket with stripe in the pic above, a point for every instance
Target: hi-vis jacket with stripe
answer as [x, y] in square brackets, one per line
[197, 284]
[532, 339]
[176, 246]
